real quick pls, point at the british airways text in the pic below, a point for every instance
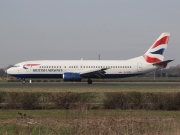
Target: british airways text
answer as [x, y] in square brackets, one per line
[47, 70]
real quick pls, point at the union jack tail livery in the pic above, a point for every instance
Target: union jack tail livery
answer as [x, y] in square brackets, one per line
[155, 53]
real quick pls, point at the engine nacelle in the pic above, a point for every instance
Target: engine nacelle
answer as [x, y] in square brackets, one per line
[68, 76]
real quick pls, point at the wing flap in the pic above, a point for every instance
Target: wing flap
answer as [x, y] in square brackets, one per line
[97, 72]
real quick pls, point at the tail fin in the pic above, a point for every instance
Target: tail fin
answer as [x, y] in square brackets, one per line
[156, 51]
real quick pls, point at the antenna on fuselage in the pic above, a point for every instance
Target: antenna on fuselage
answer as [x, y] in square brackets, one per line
[99, 57]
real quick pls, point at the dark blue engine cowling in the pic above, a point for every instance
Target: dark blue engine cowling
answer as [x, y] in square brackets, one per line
[68, 76]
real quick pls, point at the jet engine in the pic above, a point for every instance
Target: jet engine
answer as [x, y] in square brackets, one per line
[68, 76]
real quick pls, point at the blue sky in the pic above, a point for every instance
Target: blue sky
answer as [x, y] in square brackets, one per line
[75, 29]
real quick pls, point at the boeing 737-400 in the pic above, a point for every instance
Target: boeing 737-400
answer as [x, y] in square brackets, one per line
[76, 70]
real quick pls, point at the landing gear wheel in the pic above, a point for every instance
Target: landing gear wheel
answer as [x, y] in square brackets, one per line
[23, 82]
[89, 81]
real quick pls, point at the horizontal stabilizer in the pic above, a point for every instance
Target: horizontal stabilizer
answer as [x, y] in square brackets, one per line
[162, 63]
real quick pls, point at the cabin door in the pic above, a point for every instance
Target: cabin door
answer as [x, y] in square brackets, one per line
[139, 67]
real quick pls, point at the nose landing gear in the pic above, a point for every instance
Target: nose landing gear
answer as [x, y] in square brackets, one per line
[24, 81]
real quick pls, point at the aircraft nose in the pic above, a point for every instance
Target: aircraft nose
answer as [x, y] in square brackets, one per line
[9, 70]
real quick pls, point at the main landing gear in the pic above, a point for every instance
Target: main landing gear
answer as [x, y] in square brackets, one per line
[89, 81]
[24, 81]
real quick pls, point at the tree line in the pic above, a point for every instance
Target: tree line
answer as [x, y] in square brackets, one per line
[173, 71]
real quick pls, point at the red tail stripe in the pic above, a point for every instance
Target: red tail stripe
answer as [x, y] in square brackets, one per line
[163, 40]
[151, 60]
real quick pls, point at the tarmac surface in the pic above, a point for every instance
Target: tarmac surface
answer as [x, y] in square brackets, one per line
[95, 84]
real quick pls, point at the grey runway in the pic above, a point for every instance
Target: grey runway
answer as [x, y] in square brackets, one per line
[99, 84]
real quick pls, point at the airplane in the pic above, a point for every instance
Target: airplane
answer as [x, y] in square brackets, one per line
[76, 70]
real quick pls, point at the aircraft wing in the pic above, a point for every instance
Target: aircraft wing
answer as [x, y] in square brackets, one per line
[99, 73]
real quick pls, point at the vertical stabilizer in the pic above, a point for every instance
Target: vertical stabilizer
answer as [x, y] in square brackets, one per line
[156, 51]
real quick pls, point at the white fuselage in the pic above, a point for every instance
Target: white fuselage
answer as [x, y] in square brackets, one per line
[56, 68]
